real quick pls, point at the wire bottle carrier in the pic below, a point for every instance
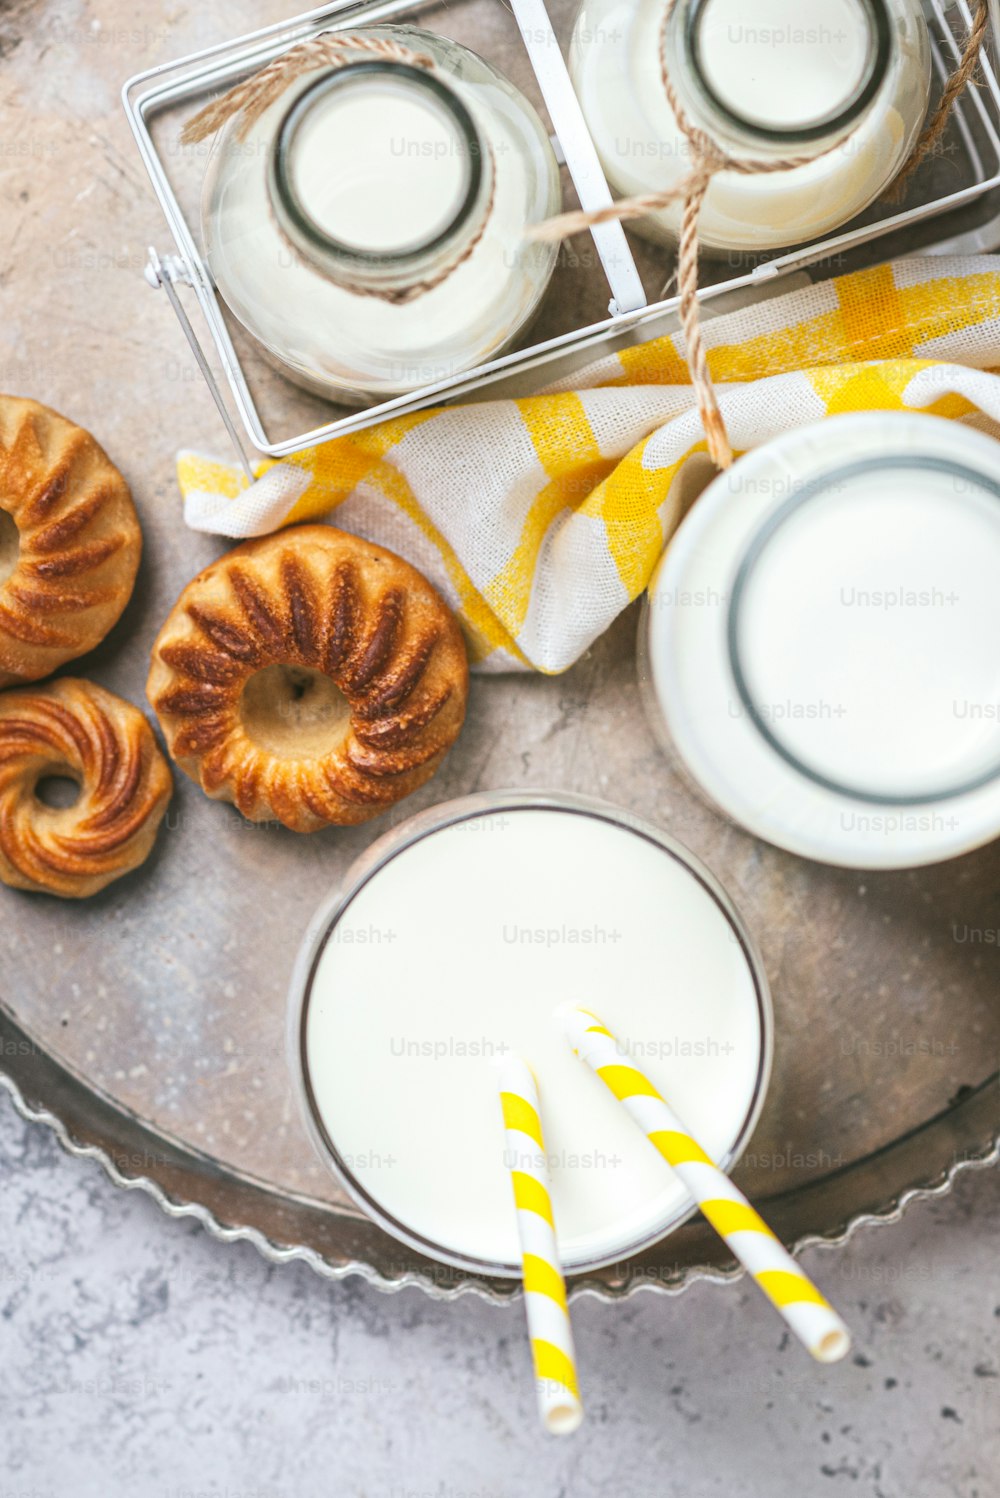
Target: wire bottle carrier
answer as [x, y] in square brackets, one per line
[947, 209]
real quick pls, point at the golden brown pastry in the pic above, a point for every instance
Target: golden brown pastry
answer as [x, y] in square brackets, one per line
[69, 541]
[309, 677]
[74, 729]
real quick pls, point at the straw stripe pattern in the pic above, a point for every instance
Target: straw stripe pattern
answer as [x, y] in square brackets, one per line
[806, 1311]
[544, 1287]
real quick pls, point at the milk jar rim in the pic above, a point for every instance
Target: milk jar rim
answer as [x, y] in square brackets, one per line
[478, 807]
[880, 57]
[816, 488]
[293, 215]
[740, 771]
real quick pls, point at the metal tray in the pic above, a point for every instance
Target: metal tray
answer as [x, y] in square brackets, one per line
[146, 1026]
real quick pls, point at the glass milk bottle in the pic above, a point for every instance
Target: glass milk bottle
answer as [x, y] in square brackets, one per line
[368, 230]
[845, 83]
[819, 643]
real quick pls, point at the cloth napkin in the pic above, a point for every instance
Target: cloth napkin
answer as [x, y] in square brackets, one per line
[541, 519]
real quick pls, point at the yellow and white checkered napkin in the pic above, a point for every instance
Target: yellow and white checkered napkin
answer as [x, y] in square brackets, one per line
[541, 519]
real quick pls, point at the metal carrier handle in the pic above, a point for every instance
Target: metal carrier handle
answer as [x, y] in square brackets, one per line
[579, 153]
[166, 273]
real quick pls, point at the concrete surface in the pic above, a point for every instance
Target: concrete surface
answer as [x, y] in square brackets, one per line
[138, 1356]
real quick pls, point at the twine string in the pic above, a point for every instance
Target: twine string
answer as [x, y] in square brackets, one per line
[257, 93]
[950, 94]
[709, 158]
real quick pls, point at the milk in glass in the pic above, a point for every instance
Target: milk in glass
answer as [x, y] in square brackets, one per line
[455, 947]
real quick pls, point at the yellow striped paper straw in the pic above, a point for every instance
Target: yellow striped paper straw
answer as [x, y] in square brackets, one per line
[544, 1287]
[810, 1316]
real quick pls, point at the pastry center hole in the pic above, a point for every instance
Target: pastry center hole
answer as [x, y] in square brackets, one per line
[294, 712]
[10, 546]
[58, 792]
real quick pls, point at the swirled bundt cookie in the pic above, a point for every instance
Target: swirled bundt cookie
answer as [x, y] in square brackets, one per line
[76, 730]
[309, 677]
[69, 541]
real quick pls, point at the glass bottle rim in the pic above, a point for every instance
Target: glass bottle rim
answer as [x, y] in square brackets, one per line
[748, 565]
[881, 47]
[318, 243]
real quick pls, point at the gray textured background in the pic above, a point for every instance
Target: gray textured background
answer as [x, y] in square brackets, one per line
[138, 1356]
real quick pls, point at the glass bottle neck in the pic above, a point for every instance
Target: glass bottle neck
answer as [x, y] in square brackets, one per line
[787, 78]
[379, 178]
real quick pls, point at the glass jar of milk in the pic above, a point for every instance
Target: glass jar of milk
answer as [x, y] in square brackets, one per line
[845, 83]
[818, 650]
[368, 230]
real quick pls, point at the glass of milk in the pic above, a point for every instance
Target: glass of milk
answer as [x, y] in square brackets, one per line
[773, 79]
[818, 649]
[451, 942]
[369, 230]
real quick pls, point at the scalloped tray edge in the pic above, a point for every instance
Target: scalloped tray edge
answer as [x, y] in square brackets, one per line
[276, 1253]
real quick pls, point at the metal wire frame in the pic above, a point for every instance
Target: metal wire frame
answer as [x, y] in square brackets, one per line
[157, 89]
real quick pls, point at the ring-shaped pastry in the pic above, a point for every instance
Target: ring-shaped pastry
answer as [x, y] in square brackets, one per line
[75, 730]
[69, 541]
[310, 678]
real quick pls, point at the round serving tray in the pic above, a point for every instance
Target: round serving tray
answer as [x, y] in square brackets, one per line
[147, 1025]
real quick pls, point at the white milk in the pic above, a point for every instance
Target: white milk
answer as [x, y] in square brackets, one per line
[779, 64]
[782, 68]
[461, 946]
[892, 581]
[381, 168]
[820, 641]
